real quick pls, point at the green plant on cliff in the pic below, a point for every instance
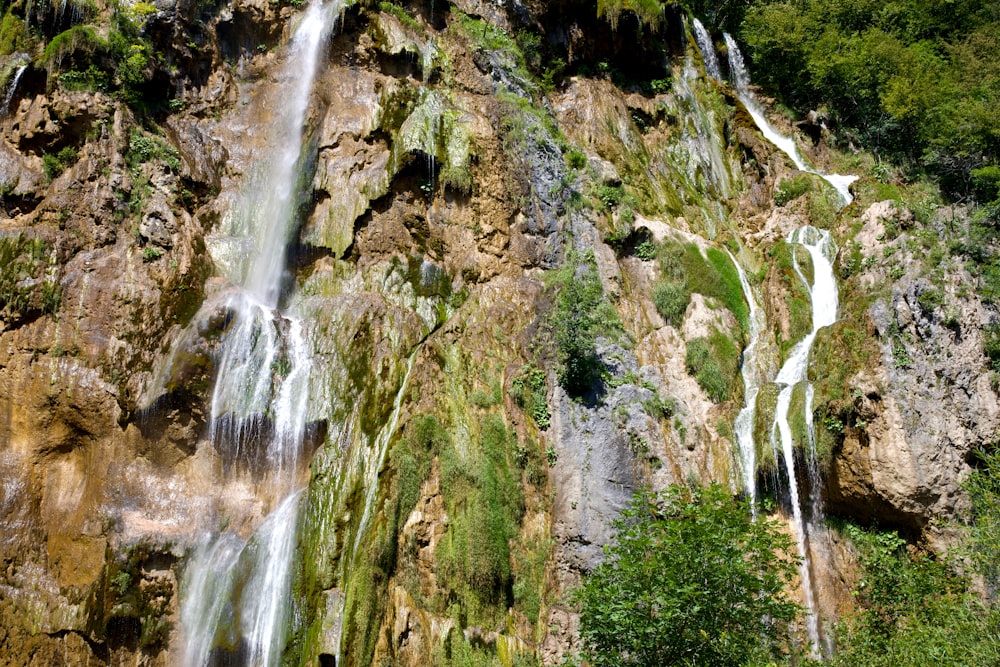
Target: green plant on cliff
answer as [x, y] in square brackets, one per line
[530, 391]
[714, 363]
[915, 608]
[581, 313]
[484, 501]
[711, 273]
[691, 579]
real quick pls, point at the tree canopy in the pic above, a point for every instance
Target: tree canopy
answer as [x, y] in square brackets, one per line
[691, 578]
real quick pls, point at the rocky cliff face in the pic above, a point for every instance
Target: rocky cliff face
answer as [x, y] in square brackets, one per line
[457, 491]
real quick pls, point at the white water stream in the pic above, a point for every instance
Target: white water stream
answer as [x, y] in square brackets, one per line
[707, 48]
[11, 89]
[755, 373]
[236, 590]
[823, 296]
[787, 145]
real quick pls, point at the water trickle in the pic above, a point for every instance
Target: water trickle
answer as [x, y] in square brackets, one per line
[11, 89]
[823, 296]
[707, 49]
[236, 590]
[754, 374]
[700, 146]
[787, 145]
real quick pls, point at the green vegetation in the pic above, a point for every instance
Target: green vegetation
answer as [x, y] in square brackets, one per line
[914, 607]
[14, 35]
[917, 607]
[915, 80]
[581, 313]
[714, 362]
[792, 188]
[27, 278]
[530, 391]
[671, 299]
[484, 501]
[143, 148]
[712, 274]
[673, 593]
[54, 165]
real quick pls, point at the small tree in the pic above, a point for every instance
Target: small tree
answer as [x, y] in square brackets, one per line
[692, 579]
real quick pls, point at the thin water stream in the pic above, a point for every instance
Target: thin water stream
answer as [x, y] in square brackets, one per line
[707, 48]
[755, 371]
[787, 145]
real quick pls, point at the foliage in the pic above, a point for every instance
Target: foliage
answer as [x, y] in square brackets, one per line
[691, 579]
[711, 274]
[14, 34]
[27, 277]
[79, 43]
[915, 610]
[671, 299]
[484, 502]
[530, 391]
[983, 487]
[915, 79]
[649, 12]
[143, 148]
[581, 312]
[791, 188]
[646, 251]
[714, 363]
[54, 165]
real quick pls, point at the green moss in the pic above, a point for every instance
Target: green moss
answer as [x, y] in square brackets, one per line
[790, 189]
[530, 561]
[14, 35]
[767, 400]
[79, 42]
[28, 281]
[435, 127]
[484, 501]
[797, 416]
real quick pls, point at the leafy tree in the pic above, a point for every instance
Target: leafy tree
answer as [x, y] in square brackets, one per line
[691, 579]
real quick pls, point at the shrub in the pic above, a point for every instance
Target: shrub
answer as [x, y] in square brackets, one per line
[580, 312]
[714, 363]
[791, 188]
[530, 391]
[53, 165]
[671, 300]
[671, 592]
[610, 195]
[575, 158]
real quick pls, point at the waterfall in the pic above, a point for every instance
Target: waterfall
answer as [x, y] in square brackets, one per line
[741, 80]
[823, 297]
[707, 48]
[754, 374]
[235, 591]
[11, 89]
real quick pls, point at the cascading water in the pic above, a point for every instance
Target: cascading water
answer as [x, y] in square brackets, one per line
[707, 48]
[823, 296]
[11, 89]
[741, 80]
[754, 374]
[235, 592]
